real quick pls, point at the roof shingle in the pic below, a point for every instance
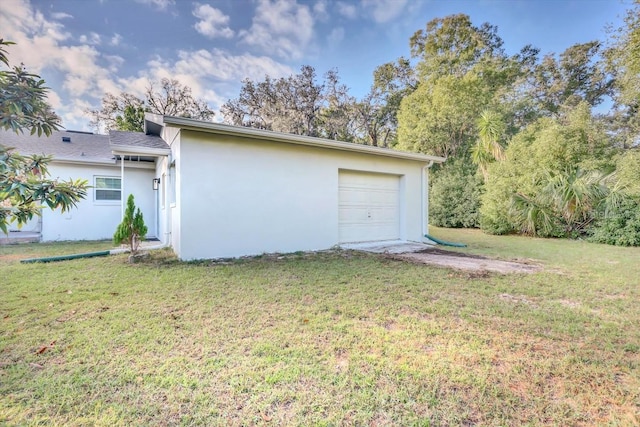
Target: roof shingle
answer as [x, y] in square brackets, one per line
[81, 146]
[136, 139]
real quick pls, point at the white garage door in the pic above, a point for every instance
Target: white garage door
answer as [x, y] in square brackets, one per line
[369, 206]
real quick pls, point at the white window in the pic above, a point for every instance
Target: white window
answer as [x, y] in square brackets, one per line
[108, 188]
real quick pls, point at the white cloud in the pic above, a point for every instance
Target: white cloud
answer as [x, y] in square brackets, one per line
[60, 15]
[74, 117]
[384, 10]
[320, 10]
[91, 38]
[280, 27]
[114, 62]
[160, 4]
[213, 23]
[347, 10]
[115, 40]
[220, 65]
[18, 21]
[54, 100]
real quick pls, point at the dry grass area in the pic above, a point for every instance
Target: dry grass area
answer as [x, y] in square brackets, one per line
[335, 338]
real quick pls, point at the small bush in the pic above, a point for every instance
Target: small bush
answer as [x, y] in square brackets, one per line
[454, 198]
[132, 229]
[621, 227]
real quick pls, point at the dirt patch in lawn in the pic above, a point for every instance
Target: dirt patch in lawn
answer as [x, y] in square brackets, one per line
[467, 262]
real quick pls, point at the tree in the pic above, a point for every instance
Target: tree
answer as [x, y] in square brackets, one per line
[337, 114]
[628, 172]
[553, 149]
[376, 115]
[488, 148]
[25, 187]
[565, 206]
[623, 57]
[623, 61]
[300, 105]
[454, 195]
[132, 230]
[23, 99]
[175, 99]
[440, 116]
[373, 121]
[24, 182]
[462, 71]
[126, 111]
[290, 104]
[453, 46]
[578, 76]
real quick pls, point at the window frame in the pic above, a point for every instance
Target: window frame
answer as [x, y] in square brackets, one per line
[96, 189]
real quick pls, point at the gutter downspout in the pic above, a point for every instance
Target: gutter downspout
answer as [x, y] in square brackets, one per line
[122, 186]
[168, 218]
[425, 201]
[156, 207]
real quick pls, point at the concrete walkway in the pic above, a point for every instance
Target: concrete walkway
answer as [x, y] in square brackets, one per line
[429, 254]
[388, 247]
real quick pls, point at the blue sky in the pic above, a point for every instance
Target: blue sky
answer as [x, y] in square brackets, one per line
[85, 48]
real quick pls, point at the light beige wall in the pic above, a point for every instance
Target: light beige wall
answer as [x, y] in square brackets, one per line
[245, 197]
[94, 219]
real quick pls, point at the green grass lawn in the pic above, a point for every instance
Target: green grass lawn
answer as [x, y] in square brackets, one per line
[322, 339]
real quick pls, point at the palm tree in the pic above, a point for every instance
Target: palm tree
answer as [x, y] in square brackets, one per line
[491, 130]
[566, 204]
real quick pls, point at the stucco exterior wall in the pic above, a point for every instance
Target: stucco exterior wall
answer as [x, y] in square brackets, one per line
[245, 197]
[94, 219]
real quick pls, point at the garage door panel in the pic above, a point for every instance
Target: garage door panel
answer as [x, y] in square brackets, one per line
[369, 207]
[368, 215]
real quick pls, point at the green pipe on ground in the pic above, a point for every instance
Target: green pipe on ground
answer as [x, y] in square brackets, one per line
[66, 257]
[445, 243]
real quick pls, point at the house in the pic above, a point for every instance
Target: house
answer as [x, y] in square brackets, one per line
[212, 190]
[121, 162]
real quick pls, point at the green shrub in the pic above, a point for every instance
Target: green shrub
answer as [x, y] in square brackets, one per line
[621, 227]
[628, 172]
[132, 230]
[547, 148]
[454, 198]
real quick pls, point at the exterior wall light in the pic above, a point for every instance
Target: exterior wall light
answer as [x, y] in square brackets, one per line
[156, 183]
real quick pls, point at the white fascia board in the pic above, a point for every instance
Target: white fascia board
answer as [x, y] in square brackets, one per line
[128, 150]
[218, 128]
[83, 161]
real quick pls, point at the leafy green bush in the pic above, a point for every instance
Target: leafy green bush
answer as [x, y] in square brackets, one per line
[454, 198]
[565, 207]
[621, 227]
[628, 172]
[546, 150]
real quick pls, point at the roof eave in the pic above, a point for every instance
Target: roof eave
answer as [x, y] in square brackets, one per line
[83, 161]
[130, 150]
[217, 128]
